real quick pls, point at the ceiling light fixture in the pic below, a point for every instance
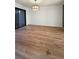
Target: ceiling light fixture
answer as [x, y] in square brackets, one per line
[35, 7]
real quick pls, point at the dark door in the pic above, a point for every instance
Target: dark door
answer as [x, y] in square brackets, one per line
[16, 18]
[63, 15]
[20, 18]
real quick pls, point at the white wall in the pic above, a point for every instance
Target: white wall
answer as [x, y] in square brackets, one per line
[47, 16]
[27, 11]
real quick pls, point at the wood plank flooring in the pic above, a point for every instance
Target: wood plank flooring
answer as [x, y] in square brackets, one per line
[39, 42]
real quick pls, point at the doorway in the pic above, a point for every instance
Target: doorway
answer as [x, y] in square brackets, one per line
[20, 18]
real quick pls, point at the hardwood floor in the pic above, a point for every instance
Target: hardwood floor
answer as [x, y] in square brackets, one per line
[39, 42]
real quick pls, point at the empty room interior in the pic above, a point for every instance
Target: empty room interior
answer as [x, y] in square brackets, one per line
[39, 29]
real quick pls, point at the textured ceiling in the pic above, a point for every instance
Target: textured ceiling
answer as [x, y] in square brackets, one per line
[29, 3]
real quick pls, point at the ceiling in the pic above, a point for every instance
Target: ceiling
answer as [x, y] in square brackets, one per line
[29, 3]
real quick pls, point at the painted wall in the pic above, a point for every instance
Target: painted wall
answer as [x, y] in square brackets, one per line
[47, 16]
[27, 11]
